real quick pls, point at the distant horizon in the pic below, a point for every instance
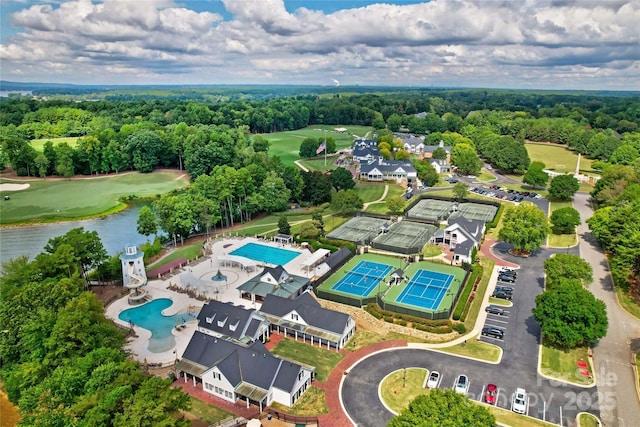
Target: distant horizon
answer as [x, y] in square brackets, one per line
[528, 44]
[42, 84]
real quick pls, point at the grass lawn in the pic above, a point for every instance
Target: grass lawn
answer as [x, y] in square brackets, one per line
[628, 303]
[431, 250]
[208, 413]
[476, 305]
[561, 240]
[59, 200]
[381, 208]
[562, 365]
[475, 349]
[400, 387]
[192, 251]
[588, 420]
[312, 402]
[509, 418]
[322, 359]
[485, 176]
[500, 301]
[286, 145]
[558, 158]
[369, 192]
[319, 164]
[38, 144]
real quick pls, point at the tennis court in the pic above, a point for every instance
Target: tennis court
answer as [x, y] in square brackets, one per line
[477, 211]
[362, 278]
[360, 230]
[426, 289]
[430, 210]
[405, 237]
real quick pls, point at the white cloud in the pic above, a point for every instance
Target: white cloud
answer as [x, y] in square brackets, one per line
[442, 42]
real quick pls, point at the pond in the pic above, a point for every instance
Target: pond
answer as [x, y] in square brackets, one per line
[116, 232]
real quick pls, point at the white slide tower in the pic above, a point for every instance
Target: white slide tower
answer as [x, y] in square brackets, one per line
[134, 275]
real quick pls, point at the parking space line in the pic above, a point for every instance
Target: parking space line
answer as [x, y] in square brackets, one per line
[497, 320]
[491, 338]
[490, 325]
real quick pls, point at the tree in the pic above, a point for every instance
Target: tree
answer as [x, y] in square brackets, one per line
[275, 192]
[394, 122]
[309, 230]
[85, 247]
[401, 155]
[565, 220]
[625, 155]
[64, 160]
[426, 173]
[318, 221]
[511, 156]
[342, 179]
[443, 408]
[535, 175]
[283, 225]
[567, 266]
[464, 156]
[317, 187]
[395, 204]
[460, 191]
[260, 144]
[308, 148]
[147, 223]
[145, 147]
[439, 153]
[570, 316]
[345, 201]
[563, 187]
[525, 227]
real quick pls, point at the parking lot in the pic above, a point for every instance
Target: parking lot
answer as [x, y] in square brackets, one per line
[549, 400]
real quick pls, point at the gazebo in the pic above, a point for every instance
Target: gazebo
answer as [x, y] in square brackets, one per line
[283, 238]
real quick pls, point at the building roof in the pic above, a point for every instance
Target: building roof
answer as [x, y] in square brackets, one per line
[314, 316]
[251, 370]
[388, 166]
[440, 162]
[464, 248]
[472, 228]
[285, 288]
[235, 322]
[338, 257]
[432, 148]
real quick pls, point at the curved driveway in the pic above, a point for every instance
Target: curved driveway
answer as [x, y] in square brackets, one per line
[549, 400]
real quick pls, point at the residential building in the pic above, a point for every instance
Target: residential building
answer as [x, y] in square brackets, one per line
[462, 235]
[234, 372]
[381, 170]
[440, 165]
[304, 318]
[273, 280]
[232, 322]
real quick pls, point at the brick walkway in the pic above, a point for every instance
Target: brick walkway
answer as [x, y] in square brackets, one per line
[336, 416]
[238, 409]
[487, 252]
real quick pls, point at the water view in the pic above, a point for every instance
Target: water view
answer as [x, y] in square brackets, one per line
[116, 232]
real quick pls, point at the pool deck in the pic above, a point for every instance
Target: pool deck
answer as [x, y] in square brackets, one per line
[197, 276]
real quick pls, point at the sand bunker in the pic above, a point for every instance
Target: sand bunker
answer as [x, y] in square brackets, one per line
[13, 187]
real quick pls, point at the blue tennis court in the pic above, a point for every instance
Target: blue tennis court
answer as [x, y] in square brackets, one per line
[426, 289]
[363, 278]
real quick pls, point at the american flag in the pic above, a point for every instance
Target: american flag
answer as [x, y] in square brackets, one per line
[322, 147]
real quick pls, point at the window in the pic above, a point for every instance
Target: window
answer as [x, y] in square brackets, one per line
[294, 316]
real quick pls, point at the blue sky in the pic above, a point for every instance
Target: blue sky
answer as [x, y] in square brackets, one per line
[545, 44]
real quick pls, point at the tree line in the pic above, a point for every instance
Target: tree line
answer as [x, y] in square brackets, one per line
[63, 362]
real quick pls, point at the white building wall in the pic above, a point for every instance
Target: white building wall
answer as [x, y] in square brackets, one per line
[218, 387]
[286, 398]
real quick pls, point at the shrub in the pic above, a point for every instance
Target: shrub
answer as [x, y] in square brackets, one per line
[476, 271]
[459, 328]
[496, 219]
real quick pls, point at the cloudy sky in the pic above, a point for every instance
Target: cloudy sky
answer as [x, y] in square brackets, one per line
[561, 44]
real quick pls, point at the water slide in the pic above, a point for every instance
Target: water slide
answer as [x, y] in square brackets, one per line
[136, 280]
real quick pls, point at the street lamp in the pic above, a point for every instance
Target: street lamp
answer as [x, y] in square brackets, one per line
[404, 377]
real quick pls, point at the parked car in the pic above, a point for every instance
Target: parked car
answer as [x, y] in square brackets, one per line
[493, 309]
[507, 289]
[506, 269]
[490, 331]
[433, 380]
[462, 384]
[508, 273]
[502, 295]
[505, 278]
[491, 394]
[519, 402]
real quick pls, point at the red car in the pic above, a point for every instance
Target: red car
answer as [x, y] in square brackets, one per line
[491, 394]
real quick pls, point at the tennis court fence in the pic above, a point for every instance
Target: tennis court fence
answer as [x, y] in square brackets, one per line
[353, 301]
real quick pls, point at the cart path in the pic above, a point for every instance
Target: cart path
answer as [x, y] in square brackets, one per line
[380, 200]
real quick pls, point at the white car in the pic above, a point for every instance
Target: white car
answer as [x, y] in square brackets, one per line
[461, 385]
[519, 401]
[506, 269]
[433, 380]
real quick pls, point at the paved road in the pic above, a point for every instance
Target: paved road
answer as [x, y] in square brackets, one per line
[612, 356]
[518, 368]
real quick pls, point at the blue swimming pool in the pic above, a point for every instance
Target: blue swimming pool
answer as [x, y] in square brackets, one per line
[265, 253]
[149, 316]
